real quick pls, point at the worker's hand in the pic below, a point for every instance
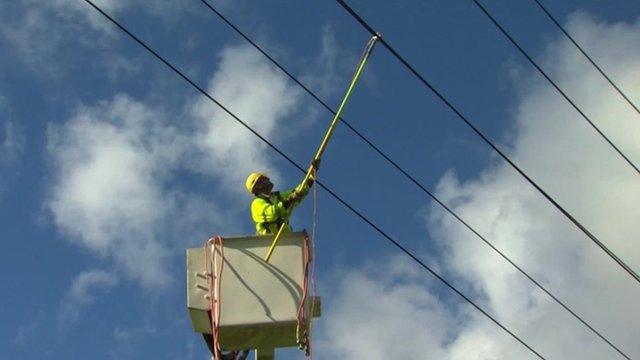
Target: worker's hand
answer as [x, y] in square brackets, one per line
[315, 164]
[286, 204]
[295, 197]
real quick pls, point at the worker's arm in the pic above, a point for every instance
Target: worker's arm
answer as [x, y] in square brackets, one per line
[297, 194]
[263, 211]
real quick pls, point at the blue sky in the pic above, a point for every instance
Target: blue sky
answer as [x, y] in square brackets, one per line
[111, 165]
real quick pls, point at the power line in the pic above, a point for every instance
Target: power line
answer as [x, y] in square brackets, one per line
[300, 168]
[491, 144]
[544, 74]
[406, 174]
[553, 19]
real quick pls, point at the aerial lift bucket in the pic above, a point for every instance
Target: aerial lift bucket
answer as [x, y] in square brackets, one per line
[258, 301]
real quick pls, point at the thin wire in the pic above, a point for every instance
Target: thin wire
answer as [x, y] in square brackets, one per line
[407, 175]
[553, 19]
[314, 288]
[491, 144]
[334, 195]
[564, 95]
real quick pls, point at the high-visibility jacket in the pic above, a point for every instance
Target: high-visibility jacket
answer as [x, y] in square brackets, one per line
[270, 212]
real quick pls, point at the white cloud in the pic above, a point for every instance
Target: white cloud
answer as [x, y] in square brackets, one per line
[82, 294]
[323, 73]
[28, 36]
[373, 316]
[11, 143]
[556, 147]
[260, 96]
[129, 334]
[68, 8]
[36, 30]
[392, 309]
[111, 162]
[161, 8]
[27, 331]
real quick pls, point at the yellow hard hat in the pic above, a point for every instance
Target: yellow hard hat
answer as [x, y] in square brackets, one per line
[252, 179]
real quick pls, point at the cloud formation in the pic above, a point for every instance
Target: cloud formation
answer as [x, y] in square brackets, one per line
[377, 317]
[36, 29]
[41, 31]
[82, 293]
[108, 193]
[11, 143]
[323, 73]
[554, 145]
[259, 95]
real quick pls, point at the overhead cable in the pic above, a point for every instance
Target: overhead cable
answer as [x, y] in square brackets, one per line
[421, 78]
[406, 173]
[566, 33]
[544, 74]
[301, 169]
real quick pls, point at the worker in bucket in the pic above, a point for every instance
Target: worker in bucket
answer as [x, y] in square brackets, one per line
[269, 210]
[272, 209]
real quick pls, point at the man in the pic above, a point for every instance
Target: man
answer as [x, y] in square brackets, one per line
[271, 209]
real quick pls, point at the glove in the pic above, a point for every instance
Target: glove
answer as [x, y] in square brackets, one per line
[315, 164]
[295, 197]
[286, 203]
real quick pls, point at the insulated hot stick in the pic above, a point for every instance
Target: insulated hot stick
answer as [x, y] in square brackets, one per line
[329, 133]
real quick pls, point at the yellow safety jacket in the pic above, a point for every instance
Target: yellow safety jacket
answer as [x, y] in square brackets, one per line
[270, 212]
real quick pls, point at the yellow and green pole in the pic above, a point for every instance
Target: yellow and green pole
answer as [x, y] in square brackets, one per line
[327, 136]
